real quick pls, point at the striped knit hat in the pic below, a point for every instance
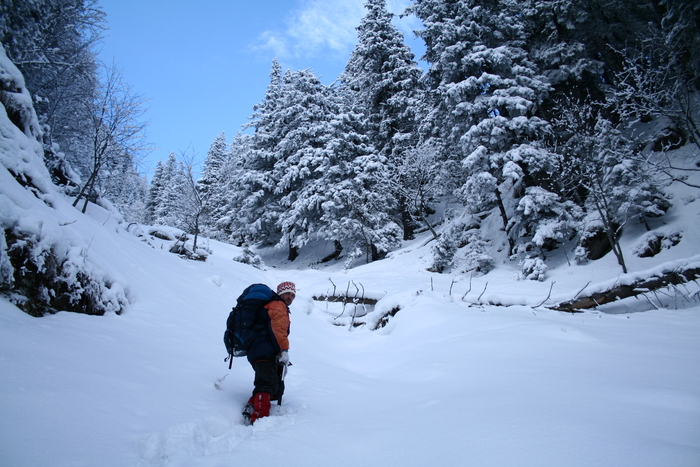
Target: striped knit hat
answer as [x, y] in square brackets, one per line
[285, 287]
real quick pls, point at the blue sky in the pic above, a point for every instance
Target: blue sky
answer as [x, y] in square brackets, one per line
[203, 65]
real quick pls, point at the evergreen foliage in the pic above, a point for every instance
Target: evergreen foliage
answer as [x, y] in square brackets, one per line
[381, 82]
[521, 120]
[209, 185]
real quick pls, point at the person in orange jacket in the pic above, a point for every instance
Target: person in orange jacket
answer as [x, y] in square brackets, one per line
[269, 353]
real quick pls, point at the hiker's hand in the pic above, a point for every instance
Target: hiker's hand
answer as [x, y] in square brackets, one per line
[283, 357]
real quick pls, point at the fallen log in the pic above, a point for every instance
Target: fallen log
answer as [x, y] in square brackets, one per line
[638, 287]
[345, 299]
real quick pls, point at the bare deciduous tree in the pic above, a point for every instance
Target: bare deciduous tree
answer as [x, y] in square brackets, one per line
[116, 129]
[658, 81]
[600, 171]
[195, 200]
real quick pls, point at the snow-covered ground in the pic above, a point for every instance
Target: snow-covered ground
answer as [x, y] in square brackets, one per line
[445, 382]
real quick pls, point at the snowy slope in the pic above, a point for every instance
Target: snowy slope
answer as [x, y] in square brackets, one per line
[444, 382]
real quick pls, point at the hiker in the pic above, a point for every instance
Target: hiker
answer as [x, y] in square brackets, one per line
[269, 353]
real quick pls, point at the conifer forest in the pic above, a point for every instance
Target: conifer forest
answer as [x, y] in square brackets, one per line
[552, 123]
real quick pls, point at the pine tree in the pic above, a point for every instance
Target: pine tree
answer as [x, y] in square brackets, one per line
[542, 221]
[263, 118]
[558, 37]
[284, 154]
[228, 191]
[154, 190]
[484, 97]
[307, 110]
[348, 200]
[216, 158]
[209, 182]
[169, 204]
[249, 207]
[126, 190]
[381, 82]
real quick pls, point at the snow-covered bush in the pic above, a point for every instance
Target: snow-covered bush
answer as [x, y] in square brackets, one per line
[461, 247]
[653, 243]
[165, 232]
[443, 251]
[593, 242]
[475, 256]
[540, 223]
[534, 269]
[50, 277]
[251, 258]
[186, 249]
[542, 219]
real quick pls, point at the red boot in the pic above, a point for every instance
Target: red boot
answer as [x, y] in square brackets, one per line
[261, 406]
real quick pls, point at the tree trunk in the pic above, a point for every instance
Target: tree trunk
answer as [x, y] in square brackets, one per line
[611, 232]
[196, 234]
[424, 219]
[336, 254]
[293, 252]
[406, 219]
[638, 287]
[83, 191]
[504, 217]
[89, 187]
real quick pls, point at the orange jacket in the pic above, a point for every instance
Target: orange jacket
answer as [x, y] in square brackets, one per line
[280, 322]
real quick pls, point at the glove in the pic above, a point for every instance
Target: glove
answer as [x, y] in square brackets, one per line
[283, 357]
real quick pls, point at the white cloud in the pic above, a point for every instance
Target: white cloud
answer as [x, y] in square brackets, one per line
[316, 26]
[320, 26]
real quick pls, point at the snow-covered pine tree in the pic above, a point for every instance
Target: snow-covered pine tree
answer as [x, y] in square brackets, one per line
[169, 206]
[208, 183]
[290, 132]
[484, 95]
[228, 191]
[461, 248]
[349, 201]
[542, 221]
[250, 215]
[381, 82]
[154, 190]
[263, 110]
[558, 37]
[306, 110]
[126, 189]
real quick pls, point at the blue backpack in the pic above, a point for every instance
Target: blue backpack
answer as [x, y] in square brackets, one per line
[243, 324]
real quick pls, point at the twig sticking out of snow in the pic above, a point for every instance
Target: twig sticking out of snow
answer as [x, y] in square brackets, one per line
[470, 287]
[220, 381]
[548, 295]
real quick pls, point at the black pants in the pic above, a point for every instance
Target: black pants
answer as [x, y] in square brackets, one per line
[268, 377]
